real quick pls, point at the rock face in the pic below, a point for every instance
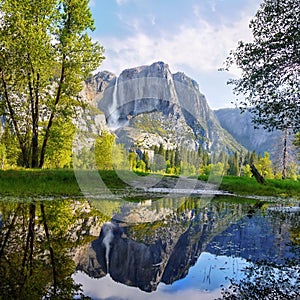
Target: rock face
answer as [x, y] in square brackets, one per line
[240, 127]
[94, 86]
[150, 99]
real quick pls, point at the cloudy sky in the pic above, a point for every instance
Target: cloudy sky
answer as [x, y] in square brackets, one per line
[191, 36]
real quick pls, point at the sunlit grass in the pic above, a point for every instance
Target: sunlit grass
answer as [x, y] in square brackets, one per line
[62, 182]
[272, 187]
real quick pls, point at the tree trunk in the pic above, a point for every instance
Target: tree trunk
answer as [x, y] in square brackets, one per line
[22, 144]
[34, 101]
[50, 121]
[52, 259]
[11, 227]
[284, 156]
[29, 239]
[256, 174]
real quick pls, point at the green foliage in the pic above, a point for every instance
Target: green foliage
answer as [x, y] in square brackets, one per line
[83, 159]
[59, 150]
[46, 53]
[264, 166]
[141, 166]
[149, 124]
[297, 144]
[146, 160]
[234, 164]
[247, 170]
[218, 169]
[270, 66]
[10, 147]
[2, 155]
[158, 164]
[132, 160]
[103, 151]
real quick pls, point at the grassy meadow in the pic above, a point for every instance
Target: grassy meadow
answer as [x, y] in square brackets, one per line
[272, 187]
[62, 182]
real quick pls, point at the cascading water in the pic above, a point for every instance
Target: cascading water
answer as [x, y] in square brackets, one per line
[108, 237]
[113, 111]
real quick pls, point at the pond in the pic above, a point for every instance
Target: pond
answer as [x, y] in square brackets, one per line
[221, 247]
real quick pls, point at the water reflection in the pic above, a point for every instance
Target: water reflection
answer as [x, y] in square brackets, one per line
[188, 247]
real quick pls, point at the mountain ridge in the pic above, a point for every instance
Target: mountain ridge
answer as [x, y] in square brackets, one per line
[174, 98]
[240, 126]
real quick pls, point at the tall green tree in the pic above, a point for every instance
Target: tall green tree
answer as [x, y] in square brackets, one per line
[104, 151]
[270, 66]
[59, 149]
[46, 53]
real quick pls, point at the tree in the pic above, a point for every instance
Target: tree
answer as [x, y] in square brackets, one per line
[296, 142]
[284, 155]
[177, 161]
[103, 151]
[132, 160]
[270, 66]
[234, 164]
[59, 150]
[46, 53]
[146, 160]
[264, 166]
[9, 141]
[2, 155]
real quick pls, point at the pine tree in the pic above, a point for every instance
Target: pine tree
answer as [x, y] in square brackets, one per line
[146, 160]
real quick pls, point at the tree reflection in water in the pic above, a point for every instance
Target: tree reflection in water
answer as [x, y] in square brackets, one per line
[36, 240]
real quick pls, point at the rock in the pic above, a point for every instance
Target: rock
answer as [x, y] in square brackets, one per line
[241, 128]
[173, 103]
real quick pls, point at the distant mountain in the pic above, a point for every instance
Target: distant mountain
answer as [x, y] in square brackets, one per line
[148, 105]
[241, 128]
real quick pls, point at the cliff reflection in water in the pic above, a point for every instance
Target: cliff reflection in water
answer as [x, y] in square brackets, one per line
[43, 243]
[144, 255]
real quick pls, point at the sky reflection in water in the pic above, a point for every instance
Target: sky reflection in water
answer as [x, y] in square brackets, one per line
[204, 281]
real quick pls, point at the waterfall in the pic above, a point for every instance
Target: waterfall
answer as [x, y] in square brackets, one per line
[108, 237]
[113, 111]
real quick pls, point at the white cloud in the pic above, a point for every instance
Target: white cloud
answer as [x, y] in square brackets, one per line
[202, 47]
[122, 2]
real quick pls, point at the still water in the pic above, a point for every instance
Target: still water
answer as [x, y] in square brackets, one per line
[169, 248]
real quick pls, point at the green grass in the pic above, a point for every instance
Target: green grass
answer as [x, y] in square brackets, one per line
[38, 182]
[63, 182]
[58, 182]
[272, 187]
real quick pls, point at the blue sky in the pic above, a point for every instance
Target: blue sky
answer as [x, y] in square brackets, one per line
[191, 36]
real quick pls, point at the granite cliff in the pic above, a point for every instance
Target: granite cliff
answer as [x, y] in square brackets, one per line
[149, 105]
[241, 128]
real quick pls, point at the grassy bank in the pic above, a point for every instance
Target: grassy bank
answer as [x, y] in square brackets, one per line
[58, 182]
[272, 187]
[63, 183]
